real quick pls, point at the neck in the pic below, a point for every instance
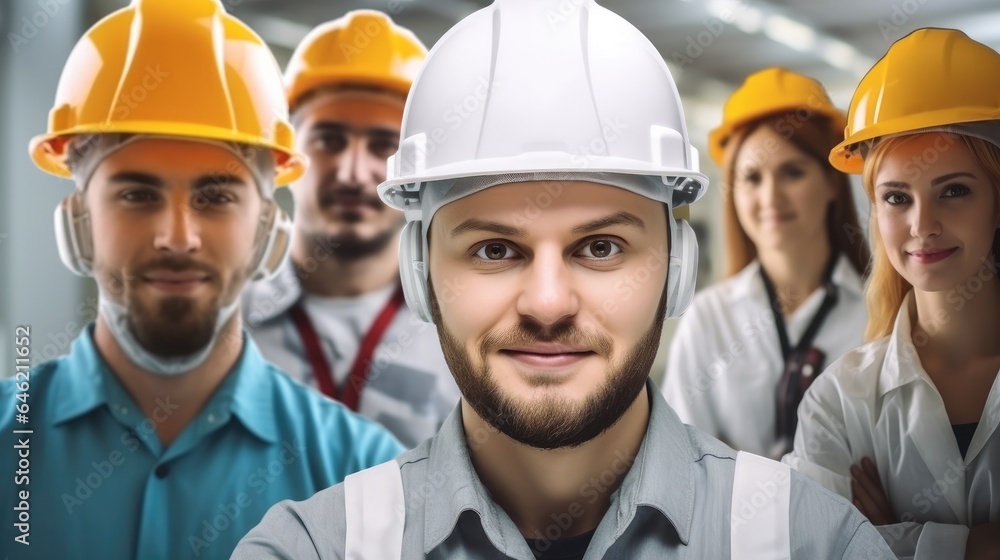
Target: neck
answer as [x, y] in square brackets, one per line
[321, 274]
[171, 402]
[959, 326]
[538, 488]
[796, 273]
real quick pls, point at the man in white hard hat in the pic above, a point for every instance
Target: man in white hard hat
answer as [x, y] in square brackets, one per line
[333, 317]
[164, 433]
[541, 241]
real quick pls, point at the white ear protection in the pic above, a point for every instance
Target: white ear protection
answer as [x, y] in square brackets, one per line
[681, 279]
[74, 237]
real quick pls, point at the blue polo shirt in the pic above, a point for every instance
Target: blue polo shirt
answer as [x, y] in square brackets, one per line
[91, 479]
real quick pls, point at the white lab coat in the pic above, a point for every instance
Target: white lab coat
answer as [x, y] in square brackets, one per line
[725, 358]
[878, 402]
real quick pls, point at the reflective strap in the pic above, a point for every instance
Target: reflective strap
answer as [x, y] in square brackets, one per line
[375, 513]
[759, 527]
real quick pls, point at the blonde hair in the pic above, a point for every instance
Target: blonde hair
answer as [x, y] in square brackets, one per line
[886, 288]
[815, 138]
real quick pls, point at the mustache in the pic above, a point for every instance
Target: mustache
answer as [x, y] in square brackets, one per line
[528, 332]
[175, 263]
[333, 194]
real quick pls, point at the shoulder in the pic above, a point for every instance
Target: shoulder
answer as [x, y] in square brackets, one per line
[32, 388]
[824, 524]
[854, 375]
[299, 407]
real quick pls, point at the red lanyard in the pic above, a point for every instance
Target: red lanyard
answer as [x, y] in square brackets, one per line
[351, 394]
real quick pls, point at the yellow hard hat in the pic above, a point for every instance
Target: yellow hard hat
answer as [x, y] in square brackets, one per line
[770, 92]
[172, 68]
[931, 77]
[363, 47]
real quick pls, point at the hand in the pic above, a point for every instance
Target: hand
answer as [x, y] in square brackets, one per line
[984, 542]
[869, 496]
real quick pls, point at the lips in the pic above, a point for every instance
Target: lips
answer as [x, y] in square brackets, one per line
[547, 356]
[172, 281]
[927, 256]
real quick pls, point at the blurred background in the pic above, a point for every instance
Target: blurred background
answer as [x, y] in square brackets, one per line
[709, 46]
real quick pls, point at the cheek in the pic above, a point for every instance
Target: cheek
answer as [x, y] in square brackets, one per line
[625, 304]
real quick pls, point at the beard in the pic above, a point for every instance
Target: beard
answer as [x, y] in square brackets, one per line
[552, 422]
[349, 247]
[175, 326]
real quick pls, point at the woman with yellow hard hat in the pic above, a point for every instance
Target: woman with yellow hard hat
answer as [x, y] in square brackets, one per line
[906, 425]
[749, 346]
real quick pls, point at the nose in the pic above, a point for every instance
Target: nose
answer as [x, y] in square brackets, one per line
[771, 193]
[548, 294]
[358, 167]
[924, 222]
[177, 228]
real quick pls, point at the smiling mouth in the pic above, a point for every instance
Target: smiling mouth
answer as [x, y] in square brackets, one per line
[927, 256]
[547, 359]
[176, 282]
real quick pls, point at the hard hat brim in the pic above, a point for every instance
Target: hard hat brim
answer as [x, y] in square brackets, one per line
[48, 151]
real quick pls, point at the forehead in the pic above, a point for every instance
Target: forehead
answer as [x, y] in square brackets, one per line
[925, 156]
[173, 160]
[764, 147]
[548, 204]
[354, 108]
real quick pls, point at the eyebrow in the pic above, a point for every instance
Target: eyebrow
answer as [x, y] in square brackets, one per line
[213, 180]
[934, 183]
[136, 177]
[216, 180]
[330, 126]
[472, 224]
[950, 176]
[621, 218]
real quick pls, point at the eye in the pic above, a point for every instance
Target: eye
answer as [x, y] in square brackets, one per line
[139, 196]
[329, 142]
[895, 198]
[952, 191]
[383, 147]
[794, 172]
[495, 251]
[216, 197]
[600, 249]
[751, 178]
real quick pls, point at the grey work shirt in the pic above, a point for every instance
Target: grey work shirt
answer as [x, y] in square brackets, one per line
[673, 503]
[409, 388]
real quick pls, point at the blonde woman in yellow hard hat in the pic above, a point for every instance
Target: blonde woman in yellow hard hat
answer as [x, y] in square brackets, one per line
[906, 425]
[333, 317]
[744, 353]
[164, 433]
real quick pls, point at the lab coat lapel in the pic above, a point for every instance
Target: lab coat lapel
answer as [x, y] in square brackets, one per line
[926, 418]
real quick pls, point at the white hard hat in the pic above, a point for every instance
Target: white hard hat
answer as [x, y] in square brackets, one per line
[542, 90]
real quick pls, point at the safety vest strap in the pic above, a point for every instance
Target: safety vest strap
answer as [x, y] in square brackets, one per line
[375, 511]
[759, 524]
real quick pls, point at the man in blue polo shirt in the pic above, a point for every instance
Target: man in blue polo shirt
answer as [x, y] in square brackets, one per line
[164, 434]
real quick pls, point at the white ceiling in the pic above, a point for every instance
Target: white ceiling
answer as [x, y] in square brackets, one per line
[835, 42]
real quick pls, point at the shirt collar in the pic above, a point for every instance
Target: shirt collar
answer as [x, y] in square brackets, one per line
[747, 283]
[80, 388]
[902, 363]
[661, 477]
[88, 382]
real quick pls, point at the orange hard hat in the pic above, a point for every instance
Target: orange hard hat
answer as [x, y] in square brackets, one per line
[164, 67]
[364, 47]
[768, 92]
